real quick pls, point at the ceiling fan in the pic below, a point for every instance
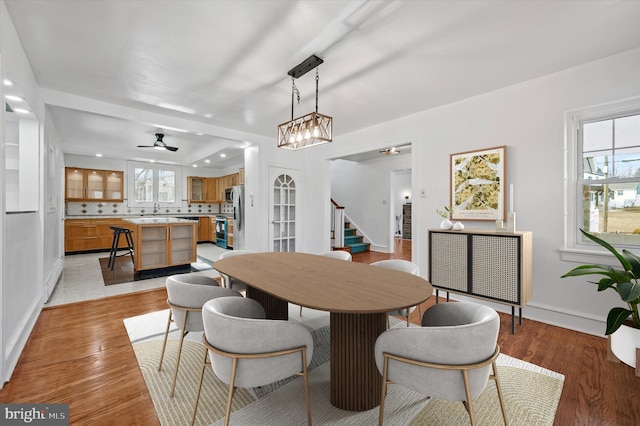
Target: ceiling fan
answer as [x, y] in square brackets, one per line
[159, 144]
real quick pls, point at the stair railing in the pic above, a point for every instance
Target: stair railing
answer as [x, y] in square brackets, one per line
[337, 225]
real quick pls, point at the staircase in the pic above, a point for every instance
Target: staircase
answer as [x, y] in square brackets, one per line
[353, 243]
[339, 224]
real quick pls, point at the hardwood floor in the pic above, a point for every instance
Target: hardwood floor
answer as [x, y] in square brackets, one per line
[80, 354]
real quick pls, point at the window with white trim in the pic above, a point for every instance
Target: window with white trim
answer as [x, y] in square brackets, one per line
[149, 184]
[603, 175]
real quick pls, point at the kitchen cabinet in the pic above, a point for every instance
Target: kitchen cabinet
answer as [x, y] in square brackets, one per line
[204, 233]
[202, 190]
[91, 234]
[241, 176]
[163, 242]
[93, 185]
[495, 266]
[230, 223]
[210, 190]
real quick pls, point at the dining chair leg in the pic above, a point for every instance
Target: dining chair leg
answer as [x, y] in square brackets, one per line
[383, 395]
[164, 344]
[300, 310]
[306, 385]
[419, 315]
[232, 390]
[469, 402]
[175, 373]
[204, 366]
[500, 396]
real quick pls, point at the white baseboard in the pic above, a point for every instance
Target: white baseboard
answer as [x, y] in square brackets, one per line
[551, 315]
[15, 344]
[52, 278]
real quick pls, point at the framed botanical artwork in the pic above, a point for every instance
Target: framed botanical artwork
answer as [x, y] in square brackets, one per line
[478, 184]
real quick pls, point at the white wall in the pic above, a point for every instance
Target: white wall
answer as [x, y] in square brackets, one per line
[21, 281]
[529, 119]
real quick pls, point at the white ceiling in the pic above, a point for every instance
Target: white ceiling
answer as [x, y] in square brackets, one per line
[220, 67]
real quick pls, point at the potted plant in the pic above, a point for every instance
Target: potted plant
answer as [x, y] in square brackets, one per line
[623, 324]
[446, 214]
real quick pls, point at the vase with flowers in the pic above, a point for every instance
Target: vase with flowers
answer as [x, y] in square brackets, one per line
[446, 214]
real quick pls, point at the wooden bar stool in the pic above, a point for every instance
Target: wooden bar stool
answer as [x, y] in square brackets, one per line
[117, 231]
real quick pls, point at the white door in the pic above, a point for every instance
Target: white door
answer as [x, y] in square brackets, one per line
[282, 232]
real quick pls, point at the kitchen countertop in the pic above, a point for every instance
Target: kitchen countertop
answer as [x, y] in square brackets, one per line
[156, 220]
[134, 216]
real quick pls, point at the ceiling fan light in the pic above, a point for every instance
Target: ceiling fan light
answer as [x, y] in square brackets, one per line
[159, 148]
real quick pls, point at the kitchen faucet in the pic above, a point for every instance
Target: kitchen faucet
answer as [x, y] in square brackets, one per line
[156, 207]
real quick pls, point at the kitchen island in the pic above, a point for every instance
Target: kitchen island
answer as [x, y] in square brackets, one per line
[162, 242]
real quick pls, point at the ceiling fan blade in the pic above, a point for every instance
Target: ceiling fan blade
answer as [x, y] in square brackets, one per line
[171, 148]
[145, 146]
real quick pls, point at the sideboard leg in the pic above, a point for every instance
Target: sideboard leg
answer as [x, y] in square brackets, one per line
[437, 293]
[520, 310]
[513, 320]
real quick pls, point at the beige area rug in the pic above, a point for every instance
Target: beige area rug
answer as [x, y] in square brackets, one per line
[531, 392]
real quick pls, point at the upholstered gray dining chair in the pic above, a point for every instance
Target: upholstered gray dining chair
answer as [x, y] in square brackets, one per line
[335, 254]
[228, 281]
[451, 357]
[186, 293]
[246, 350]
[404, 266]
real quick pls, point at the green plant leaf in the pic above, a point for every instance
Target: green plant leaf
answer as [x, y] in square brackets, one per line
[634, 261]
[623, 261]
[629, 291]
[615, 319]
[605, 283]
[589, 269]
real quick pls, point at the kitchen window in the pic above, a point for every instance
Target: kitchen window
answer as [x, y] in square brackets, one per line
[603, 177]
[153, 184]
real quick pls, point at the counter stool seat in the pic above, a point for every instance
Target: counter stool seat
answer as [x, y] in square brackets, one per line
[117, 231]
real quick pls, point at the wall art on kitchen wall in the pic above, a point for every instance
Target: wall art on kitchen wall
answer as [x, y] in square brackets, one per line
[477, 189]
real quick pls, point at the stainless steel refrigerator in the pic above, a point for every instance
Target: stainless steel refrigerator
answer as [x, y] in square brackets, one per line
[238, 216]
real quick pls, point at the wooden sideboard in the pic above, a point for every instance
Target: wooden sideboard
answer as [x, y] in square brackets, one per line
[490, 265]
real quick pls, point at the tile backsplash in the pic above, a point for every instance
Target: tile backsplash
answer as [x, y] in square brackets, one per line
[111, 209]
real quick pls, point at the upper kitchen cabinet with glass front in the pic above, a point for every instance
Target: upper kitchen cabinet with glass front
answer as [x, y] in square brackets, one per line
[93, 185]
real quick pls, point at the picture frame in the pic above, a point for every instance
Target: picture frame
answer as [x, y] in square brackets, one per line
[477, 187]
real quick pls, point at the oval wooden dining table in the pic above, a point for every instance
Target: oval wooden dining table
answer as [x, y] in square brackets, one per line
[357, 295]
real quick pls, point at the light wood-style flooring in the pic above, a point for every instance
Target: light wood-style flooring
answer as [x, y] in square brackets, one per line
[80, 354]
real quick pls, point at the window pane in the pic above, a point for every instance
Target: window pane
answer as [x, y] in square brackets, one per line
[166, 186]
[627, 131]
[596, 165]
[597, 136]
[613, 211]
[143, 185]
[627, 163]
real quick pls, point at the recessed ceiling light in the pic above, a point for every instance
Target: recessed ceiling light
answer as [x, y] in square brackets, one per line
[195, 165]
[21, 110]
[207, 161]
[199, 133]
[390, 151]
[8, 82]
[223, 155]
[152, 161]
[208, 115]
[98, 155]
[14, 98]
